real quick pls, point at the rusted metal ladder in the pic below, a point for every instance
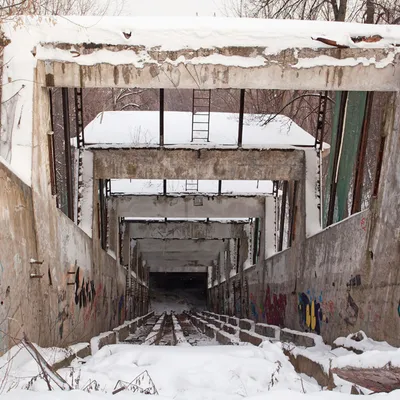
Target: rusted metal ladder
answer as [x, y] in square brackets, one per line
[201, 108]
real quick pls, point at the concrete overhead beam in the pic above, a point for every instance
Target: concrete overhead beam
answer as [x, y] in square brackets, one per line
[190, 206]
[198, 163]
[171, 256]
[185, 245]
[186, 269]
[185, 230]
[300, 68]
[177, 263]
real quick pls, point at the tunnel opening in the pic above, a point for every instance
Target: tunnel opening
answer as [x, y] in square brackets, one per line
[178, 291]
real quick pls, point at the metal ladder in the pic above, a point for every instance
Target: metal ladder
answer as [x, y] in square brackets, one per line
[191, 185]
[201, 106]
[78, 94]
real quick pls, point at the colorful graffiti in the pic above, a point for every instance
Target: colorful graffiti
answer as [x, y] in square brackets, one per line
[311, 315]
[272, 310]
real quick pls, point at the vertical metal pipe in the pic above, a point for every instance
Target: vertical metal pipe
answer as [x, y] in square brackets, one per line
[241, 114]
[67, 150]
[164, 187]
[292, 223]
[52, 153]
[362, 148]
[161, 117]
[282, 216]
[339, 136]
[220, 187]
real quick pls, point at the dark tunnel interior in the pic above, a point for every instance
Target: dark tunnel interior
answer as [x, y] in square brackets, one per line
[178, 291]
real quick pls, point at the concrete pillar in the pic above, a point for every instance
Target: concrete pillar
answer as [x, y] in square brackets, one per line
[261, 258]
[125, 244]
[113, 237]
[269, 225]
[221, 267]
[86, 202]
[313, 202]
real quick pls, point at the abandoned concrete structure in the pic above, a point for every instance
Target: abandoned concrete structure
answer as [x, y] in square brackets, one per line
[67, 275]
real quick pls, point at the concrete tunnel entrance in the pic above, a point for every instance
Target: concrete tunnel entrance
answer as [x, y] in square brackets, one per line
[178, 291]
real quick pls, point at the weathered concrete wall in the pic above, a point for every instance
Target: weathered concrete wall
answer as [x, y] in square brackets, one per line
[21, 297]
[329, 293]
[343, 279]
[77, 290]
[380, 287]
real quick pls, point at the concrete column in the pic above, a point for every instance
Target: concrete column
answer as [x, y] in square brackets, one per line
[221, 266]
[313, 203]
[261, 258]
[269, 226]
[125, 245]
[113, 237]
[86, 202]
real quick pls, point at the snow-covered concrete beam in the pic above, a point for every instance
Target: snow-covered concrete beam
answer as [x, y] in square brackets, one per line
[246, 67]
[190, 206]
[185, 230]
[199, 163]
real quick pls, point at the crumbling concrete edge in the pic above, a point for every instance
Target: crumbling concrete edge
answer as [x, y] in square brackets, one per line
[72, 354]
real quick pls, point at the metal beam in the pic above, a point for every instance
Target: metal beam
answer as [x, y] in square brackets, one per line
[67, 152]
[161, 117]
[336, 156]
[282, 216]
[241, 114]
[362, 149]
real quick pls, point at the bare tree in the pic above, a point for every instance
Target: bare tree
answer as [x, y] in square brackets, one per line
[367, 11]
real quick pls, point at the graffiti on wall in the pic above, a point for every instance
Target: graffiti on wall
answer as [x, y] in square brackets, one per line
[82, 298]
[270, 309]
[85, 291]
[350, 313]
[311, 315]
[121, 309]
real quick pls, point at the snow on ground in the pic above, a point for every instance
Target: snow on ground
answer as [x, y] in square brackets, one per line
[363, 343]
[207, 372]
[186, 373]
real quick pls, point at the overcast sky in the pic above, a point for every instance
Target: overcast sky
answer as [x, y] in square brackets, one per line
[204, 8]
